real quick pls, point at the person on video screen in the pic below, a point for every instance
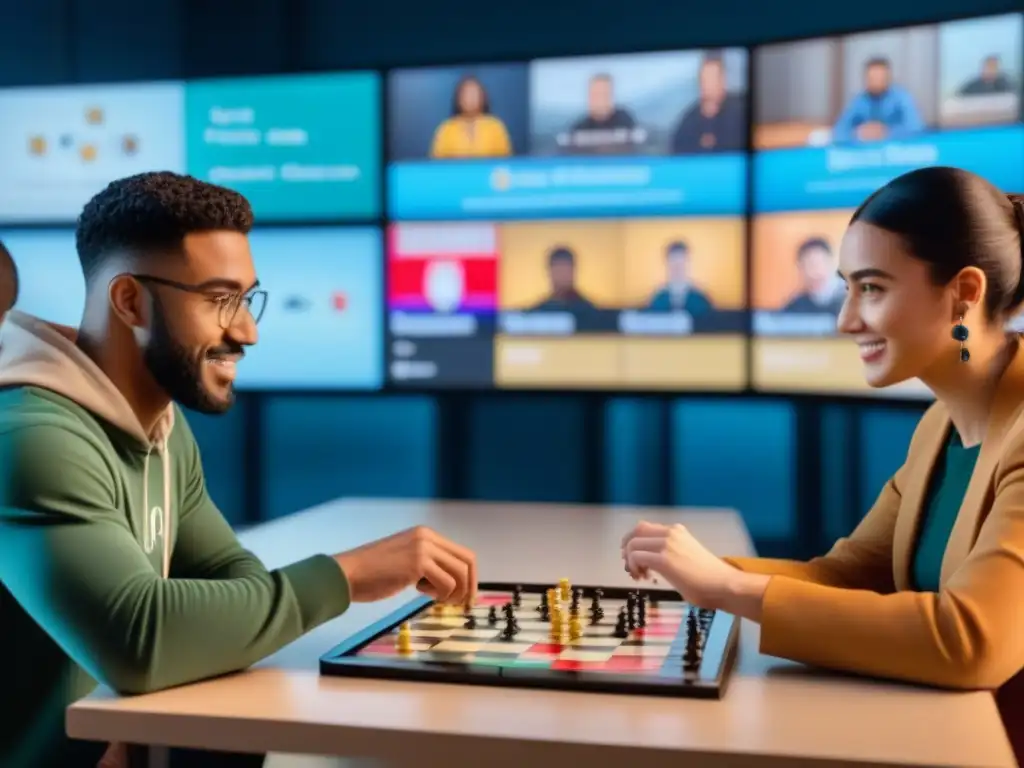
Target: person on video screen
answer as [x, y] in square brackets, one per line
[564, 296]
[717, 120]
[606, 127]
[471, 131]
[679, 294]
[821, 290]
[883, 110]
[8, 281]
[992, 79]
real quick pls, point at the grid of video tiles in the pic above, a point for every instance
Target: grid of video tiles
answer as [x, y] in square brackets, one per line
[582, 223]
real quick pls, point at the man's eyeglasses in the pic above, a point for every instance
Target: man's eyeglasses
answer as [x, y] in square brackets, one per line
[228, 304]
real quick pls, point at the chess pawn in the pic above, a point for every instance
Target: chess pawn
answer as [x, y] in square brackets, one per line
[564, 588]
[404, 643]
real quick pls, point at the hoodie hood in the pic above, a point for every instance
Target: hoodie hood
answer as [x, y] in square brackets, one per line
[36, 353]
[39, 354]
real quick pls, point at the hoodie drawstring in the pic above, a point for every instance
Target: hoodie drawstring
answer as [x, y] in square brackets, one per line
[165, 521]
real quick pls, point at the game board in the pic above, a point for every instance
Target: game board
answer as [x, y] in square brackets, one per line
[510, 638]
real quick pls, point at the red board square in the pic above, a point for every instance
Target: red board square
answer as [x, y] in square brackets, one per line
[382, 647]
[551, 649]
[631, 664]
[660, 630]
[496, 600]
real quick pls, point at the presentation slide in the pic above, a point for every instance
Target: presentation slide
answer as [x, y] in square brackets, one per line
[59, 146]
[298, 147]
[51, 285]
[626, 135]
[629, 304]
[836, 118]
[322, 327]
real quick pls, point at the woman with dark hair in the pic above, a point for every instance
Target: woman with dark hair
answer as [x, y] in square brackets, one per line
[929, 588]
[471, 131]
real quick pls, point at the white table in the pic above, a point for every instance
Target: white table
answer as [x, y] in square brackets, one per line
[774, 713]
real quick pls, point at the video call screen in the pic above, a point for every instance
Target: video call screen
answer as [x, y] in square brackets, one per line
[624, 303]
[322, 325]
[50, 281]
[59, 146]
[298, 147]
[837, 118]
[627, 135]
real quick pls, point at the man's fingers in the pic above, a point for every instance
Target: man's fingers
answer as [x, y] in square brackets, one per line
[468, 559]
[457, 569]
[436, 581]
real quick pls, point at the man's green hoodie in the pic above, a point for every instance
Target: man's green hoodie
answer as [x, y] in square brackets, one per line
[115, 565]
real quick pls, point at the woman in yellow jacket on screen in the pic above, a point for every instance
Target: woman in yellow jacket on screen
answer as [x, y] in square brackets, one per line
[471, 131]
[929, 588]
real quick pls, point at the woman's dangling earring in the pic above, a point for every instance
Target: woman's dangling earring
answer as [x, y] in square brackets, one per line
[960, 334]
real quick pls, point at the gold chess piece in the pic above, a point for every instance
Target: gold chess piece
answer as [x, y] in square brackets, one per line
[404, 641]
[565, 589]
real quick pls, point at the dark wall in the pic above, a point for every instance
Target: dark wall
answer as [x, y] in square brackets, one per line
[809, 470]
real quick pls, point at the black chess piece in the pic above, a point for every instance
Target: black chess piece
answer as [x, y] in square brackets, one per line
[621, 628]
[517, 596]
[631, 611]
[510, 616]
[574, 606]
[693, 652]
[596, 609]
[470, 621]
[641, 612]
[545, 611]
[492, 616]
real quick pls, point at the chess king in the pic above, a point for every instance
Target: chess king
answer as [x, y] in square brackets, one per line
[928, 587]
[116, 566]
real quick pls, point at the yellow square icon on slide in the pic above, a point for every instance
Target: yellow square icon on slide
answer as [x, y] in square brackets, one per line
[94, 116]
[37, 145]
[88, 152]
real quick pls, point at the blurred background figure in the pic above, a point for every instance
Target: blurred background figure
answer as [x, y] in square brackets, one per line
[8, 281]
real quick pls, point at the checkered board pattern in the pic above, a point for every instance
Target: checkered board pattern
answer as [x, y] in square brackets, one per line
[648, 660]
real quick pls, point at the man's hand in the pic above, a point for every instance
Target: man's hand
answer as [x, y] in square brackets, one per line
[438, 567]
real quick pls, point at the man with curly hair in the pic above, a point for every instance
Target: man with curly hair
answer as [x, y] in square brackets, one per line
[115, 565]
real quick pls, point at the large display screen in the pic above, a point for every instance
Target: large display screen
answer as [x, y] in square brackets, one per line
[628, 135]
[59, 146]
[651, 303]
[298, 147]
[835, 119]
[323, 323]
[322, 327]
[50, 281]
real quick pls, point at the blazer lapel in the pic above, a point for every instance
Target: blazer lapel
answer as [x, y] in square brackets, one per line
[1006, 407]
[913, 493]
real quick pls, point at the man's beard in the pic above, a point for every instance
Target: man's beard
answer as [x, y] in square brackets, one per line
[177, 372]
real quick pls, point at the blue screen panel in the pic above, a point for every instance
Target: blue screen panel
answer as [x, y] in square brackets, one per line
[608, 136]
[61, 145]
[302, 147]
[545, 189]
[322, 327]
[842, 177]
[51, 285]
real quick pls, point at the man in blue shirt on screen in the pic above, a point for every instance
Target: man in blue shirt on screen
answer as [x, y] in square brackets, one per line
[883, 110]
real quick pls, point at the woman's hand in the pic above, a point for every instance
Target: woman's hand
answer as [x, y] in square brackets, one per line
[673, 553]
